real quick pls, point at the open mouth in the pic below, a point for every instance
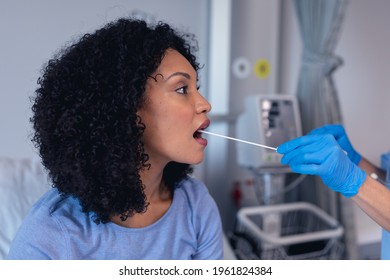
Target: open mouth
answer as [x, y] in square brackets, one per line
[197, 134]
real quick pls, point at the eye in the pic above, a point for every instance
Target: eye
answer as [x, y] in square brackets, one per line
[182, 90]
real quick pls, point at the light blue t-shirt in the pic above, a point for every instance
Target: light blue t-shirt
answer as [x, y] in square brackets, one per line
[385, 245]
[56, 228]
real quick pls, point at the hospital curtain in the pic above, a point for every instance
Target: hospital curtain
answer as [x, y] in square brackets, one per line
[320, 23]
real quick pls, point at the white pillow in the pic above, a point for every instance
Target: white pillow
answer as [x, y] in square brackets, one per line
[22, 182]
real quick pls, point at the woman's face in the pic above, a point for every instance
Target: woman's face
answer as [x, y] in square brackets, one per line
[172, 113]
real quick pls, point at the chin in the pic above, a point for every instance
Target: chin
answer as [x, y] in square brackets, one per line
[199, 160]
[196, 160]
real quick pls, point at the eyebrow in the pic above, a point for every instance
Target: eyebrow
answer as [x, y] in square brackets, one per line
[184, 74]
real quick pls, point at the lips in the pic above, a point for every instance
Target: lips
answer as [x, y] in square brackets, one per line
[204, 125]
[198, 135]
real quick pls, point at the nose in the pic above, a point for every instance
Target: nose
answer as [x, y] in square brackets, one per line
[202, 105]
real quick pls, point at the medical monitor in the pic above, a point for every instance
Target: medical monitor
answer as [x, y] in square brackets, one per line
[269, 119]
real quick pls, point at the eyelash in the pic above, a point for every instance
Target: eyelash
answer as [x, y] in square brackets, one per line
[182, 88]
[185, 88]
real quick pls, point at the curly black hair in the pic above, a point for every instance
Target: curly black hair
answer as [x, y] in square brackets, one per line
[86, 129]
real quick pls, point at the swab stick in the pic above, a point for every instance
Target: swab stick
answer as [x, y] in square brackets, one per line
[239, 140]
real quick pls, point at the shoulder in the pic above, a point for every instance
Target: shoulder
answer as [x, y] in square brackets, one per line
[192, 187]
[197, 198]
[204, 217]
[43, 233]
[53, 204]
[196, 194]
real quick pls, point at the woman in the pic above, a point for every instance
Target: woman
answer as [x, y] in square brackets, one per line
[116, 117]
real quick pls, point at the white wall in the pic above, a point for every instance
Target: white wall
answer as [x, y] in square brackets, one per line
[364, 81]
[31, 31]
[364, 86]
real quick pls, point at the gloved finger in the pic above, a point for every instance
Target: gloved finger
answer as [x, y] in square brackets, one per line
[334, 159]
[295, 143]
[312, 153]
[335, 129]
[322, 162]
[313, 149]
[309, 169]
[319, 130]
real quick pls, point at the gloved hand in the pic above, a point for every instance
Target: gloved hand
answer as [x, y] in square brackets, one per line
[321, 155]
[341, 137]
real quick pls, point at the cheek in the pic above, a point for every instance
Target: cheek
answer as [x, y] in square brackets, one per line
[182, 124]
[177, 116]
[167, 121]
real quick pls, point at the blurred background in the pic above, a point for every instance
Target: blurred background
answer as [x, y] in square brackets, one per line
[247, 47]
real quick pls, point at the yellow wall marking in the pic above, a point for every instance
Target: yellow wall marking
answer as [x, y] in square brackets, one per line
[262, 68]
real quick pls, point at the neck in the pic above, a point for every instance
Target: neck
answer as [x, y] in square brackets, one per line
[158, 196]
[152, 179]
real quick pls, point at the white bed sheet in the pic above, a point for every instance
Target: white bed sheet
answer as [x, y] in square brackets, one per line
[22, 182]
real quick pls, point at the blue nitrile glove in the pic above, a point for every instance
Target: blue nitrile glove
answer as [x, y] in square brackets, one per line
[339, 133]
[321, 155]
